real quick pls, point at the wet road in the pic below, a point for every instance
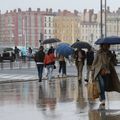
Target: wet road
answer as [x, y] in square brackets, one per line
[61, 99]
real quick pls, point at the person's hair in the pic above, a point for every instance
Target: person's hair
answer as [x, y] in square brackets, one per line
[41, 47]
[49, 51]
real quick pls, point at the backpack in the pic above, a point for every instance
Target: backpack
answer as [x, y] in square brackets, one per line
[39, 56]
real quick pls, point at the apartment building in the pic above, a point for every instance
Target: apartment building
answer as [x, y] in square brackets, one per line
[26, 28]
[29, 28]
[66, 26]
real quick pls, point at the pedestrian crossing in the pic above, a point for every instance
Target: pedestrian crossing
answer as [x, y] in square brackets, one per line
[17, 77]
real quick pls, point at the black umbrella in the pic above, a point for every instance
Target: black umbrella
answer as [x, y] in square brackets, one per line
[81, 44]
[51, 40]
[108, 40]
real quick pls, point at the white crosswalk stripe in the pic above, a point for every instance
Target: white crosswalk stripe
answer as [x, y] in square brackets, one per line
[16, 77]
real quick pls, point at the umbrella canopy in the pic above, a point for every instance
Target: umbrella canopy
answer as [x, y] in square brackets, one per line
[51, 40]
[64, 49]
[81, 44]
[108, 40]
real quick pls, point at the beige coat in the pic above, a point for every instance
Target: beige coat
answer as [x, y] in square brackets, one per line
[101, 57]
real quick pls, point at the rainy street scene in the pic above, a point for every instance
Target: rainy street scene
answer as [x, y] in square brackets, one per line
[60, 61]
[22, 98]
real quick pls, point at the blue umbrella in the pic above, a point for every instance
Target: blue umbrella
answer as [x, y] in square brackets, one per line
[64, 49]
[108, 40]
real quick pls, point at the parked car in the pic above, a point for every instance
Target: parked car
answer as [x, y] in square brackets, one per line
[7, 53]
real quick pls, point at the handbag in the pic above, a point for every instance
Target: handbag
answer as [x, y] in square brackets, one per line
[93, 92]
[104, 70]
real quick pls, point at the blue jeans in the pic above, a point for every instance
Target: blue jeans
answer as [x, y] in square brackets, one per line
[50, 71]
[40, 71]
[101, 80]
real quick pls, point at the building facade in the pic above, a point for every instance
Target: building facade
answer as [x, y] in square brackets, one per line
[66, 26]
[29, 28]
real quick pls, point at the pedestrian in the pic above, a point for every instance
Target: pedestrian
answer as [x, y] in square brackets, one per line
[52, 49]
[49, 62]
[29, 53]
[89, 61]
[62, 66]
[114, 58]
[103, 72]
[16, 51]
[23, 54]
[39, 59]
[79, 57]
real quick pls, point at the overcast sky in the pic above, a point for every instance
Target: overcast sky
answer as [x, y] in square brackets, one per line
[56, 4]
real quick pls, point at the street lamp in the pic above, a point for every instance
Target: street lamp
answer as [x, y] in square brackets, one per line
[41, 38]
[101, 19]
[101, 16]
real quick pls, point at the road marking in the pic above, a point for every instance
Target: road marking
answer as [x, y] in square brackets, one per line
[17, 77]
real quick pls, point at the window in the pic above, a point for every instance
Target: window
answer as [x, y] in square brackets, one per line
[49, 31]
[45, 31]
[49, 19]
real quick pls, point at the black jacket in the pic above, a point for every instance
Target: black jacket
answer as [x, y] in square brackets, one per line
[39, 56]
[90, 57]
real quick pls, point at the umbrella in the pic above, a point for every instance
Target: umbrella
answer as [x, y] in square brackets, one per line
[108, 40]
[81, 44]
[51, 40]
[64, 49]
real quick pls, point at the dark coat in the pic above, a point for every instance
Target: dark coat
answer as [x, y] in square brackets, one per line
[90, 57]
[39, 56]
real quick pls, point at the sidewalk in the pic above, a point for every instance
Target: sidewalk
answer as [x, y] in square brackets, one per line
[71, 72]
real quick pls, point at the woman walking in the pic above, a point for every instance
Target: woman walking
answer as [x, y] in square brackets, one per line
[104, 73]
[49, 62]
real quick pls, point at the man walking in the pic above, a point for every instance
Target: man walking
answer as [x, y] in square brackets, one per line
[39, 59]
[89, 59]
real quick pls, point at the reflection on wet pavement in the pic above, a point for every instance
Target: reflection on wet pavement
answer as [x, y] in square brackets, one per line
[60, 99]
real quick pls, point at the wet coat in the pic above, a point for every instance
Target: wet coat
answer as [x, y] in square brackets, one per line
[112, 81]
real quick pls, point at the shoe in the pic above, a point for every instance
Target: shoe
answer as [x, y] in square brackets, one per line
[79, 82]
[40, 80]
[102, 103]
[86, 80]
[59, 75]
[64, 75]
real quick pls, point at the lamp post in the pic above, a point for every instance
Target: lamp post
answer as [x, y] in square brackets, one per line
[101, 16]
[101, 19]
[41, 38]
[105, 19]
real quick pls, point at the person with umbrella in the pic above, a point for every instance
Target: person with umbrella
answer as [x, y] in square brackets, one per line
[103, 72]
[89, 60]
[62, 65]
[79, 62]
